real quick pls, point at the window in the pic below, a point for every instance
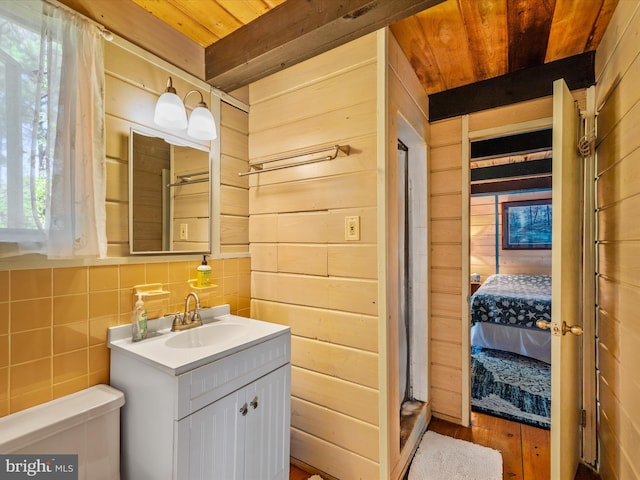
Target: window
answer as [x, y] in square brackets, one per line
[51, 132]
[24, 130]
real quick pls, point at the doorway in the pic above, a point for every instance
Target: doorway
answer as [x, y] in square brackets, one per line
[564, 162]
[405, 290]
[510, 276]
[412, 281]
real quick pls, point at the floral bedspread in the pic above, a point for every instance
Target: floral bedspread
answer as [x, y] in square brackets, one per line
[517, 300]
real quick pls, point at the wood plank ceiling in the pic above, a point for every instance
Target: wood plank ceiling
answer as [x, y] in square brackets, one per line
[460, 42]
[451, 44]
[207, 21]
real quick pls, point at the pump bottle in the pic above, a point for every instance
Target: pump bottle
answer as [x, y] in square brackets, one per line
[203, 276]
[139, 321]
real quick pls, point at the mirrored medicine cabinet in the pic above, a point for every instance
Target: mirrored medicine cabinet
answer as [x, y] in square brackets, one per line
[169, 194]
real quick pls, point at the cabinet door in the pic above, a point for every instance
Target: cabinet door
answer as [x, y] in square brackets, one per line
[210, 442]
[268, 426]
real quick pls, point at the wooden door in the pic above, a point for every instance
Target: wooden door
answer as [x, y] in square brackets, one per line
[566, 401]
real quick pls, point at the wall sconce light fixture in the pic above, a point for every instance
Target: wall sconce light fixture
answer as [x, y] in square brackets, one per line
[170, 113]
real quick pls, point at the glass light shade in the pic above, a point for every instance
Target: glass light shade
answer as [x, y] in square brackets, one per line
[170, 112]
[201, 124]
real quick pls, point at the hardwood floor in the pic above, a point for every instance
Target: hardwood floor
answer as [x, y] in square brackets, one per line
[296, 473]
[525, 449]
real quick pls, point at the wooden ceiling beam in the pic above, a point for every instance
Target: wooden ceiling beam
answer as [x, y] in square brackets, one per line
[295, 31]
[535, 82]
[536, 183]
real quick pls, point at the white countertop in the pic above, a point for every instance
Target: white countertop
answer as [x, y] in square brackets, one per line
[175, 361]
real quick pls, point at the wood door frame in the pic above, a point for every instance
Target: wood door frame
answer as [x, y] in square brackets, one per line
[400, 115]
[465, 196]
[589, 382]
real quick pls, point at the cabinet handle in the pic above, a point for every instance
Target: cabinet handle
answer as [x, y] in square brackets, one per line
[244, 409]
[254, 403]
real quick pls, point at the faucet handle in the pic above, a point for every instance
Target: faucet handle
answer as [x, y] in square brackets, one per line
[177, 321]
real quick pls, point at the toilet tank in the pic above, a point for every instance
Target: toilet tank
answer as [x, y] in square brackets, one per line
[85, 423]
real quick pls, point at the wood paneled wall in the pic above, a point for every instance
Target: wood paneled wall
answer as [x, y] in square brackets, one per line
[618, 243]
[485, 214]
[445, 180]
[406, 119]
[234, 189]
[304, 273]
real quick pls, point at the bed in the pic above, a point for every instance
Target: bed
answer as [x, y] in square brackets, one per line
[504, 311]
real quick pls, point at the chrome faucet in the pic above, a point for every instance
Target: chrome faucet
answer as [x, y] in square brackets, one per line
[188, 319]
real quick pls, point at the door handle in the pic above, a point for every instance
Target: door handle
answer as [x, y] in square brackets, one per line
[543, 324]
[574, 329]
[244, 409]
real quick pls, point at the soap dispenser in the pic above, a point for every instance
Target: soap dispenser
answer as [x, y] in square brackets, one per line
[139, 321]
[203, 278]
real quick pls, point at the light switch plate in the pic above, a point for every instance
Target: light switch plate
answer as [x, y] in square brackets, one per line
[352, 228]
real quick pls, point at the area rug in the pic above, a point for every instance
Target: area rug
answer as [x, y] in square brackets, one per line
[446, 458]
[511, 386]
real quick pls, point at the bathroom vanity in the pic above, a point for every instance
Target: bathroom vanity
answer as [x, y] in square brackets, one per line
[212, 402]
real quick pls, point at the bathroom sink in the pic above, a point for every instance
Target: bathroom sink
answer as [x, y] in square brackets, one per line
[221, 335]
[208, 335]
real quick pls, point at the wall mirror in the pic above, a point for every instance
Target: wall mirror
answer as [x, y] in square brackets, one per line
[169, 194]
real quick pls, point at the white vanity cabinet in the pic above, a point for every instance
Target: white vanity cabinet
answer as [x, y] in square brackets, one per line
[224, 419]
[241, 435]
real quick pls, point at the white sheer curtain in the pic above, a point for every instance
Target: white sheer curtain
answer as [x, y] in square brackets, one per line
[62, 170]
